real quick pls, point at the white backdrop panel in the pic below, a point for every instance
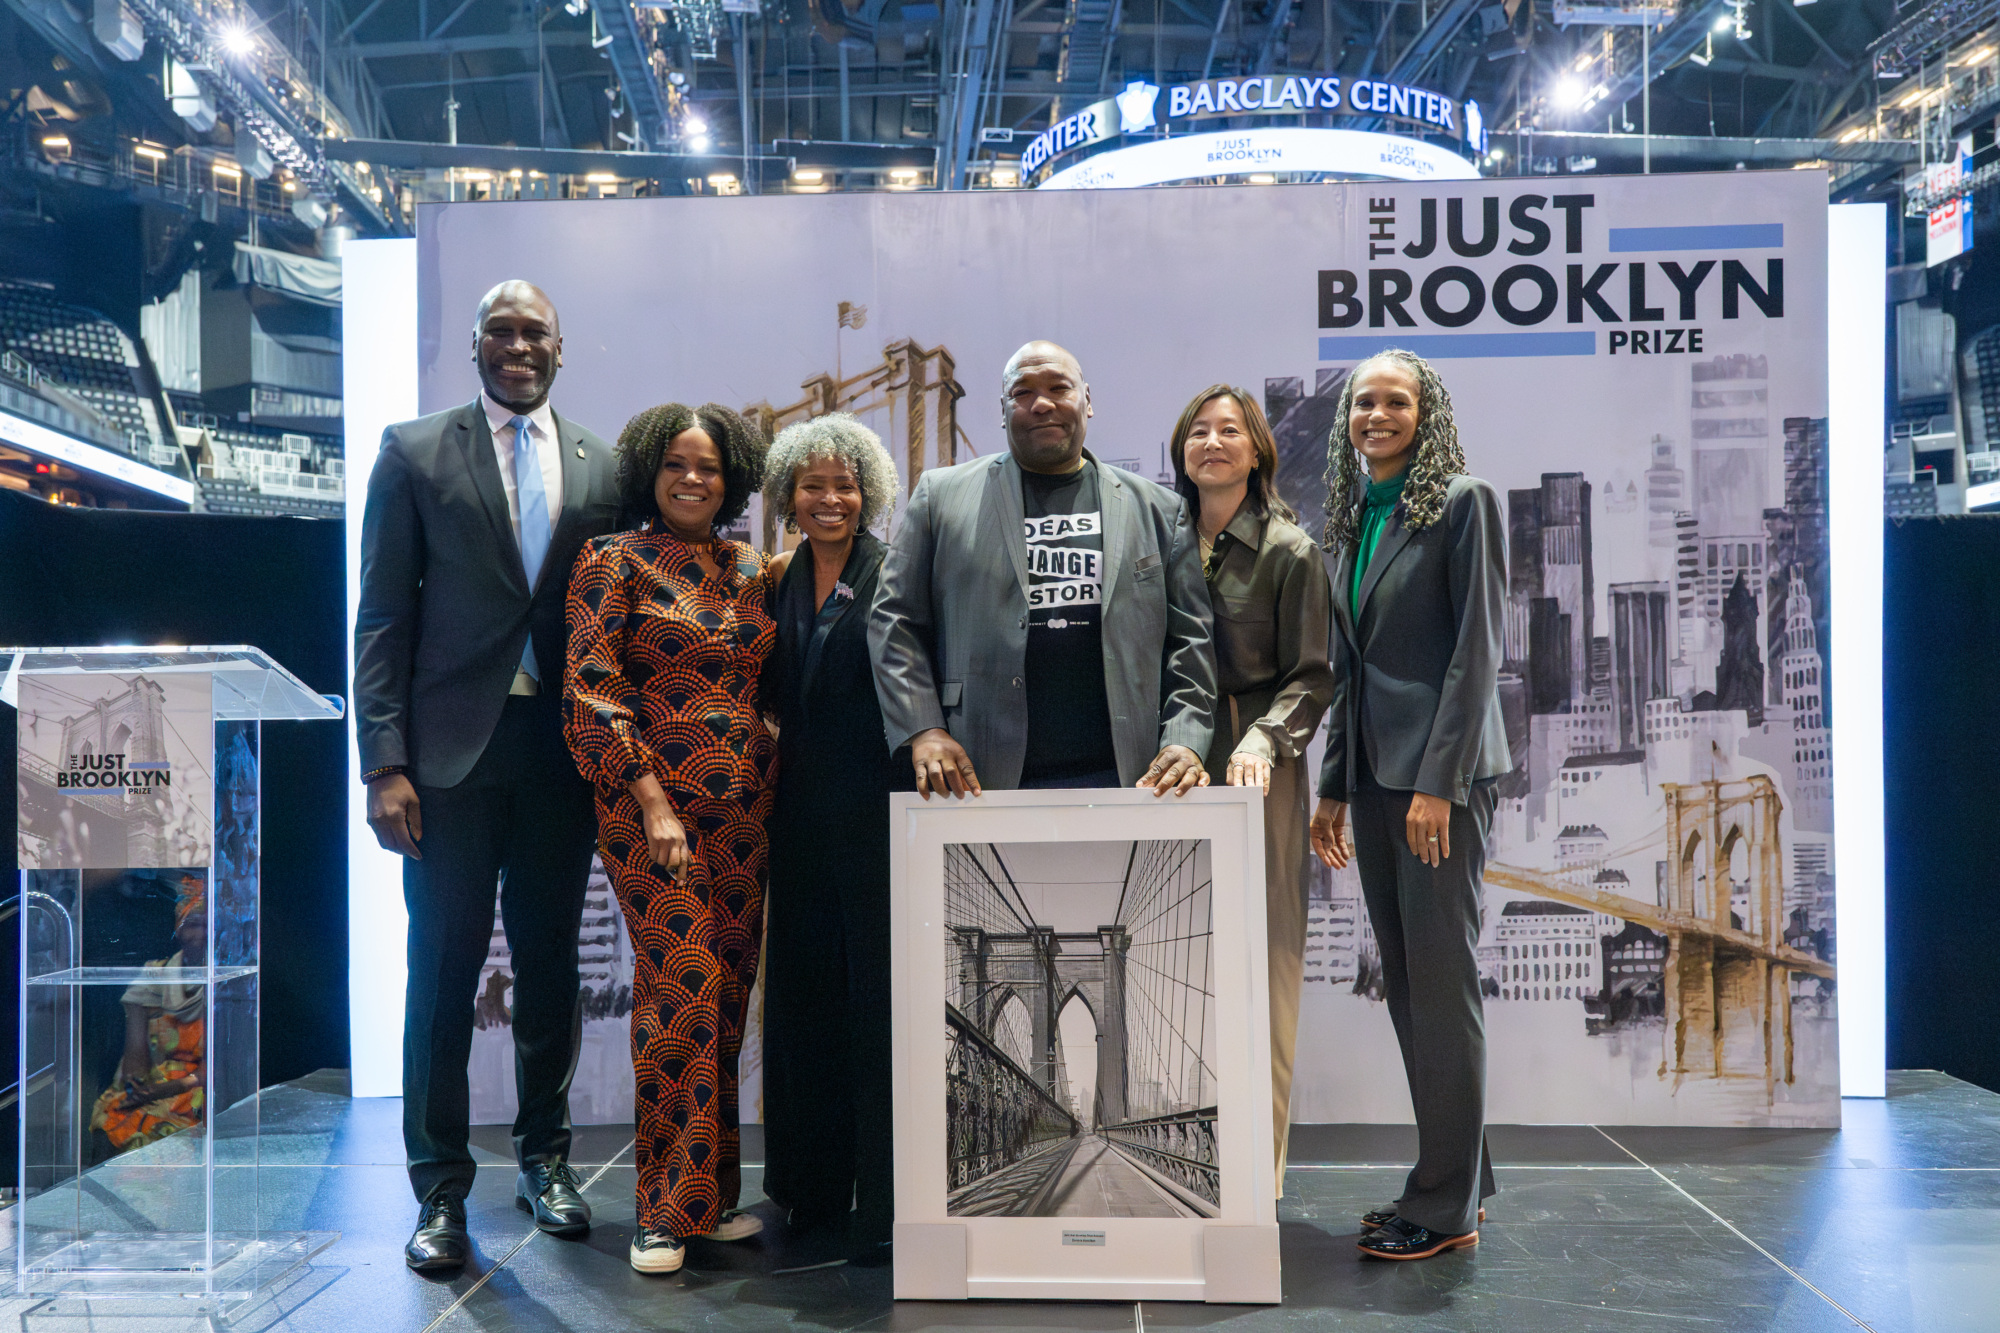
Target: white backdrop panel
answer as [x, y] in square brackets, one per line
[1704, 460]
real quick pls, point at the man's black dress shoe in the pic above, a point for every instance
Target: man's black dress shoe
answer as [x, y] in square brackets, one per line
[440, 1240]
[1381, 1217]
[1400, 1239]
[552, 1191]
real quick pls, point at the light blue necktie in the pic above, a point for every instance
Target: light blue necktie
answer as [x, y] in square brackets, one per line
[534, 499]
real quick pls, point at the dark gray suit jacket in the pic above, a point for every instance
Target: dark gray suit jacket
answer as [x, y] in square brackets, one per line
[445, 603]
[949, 631]
[1416, 666]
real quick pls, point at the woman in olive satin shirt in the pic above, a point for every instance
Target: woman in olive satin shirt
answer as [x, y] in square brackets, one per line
[1273, 607]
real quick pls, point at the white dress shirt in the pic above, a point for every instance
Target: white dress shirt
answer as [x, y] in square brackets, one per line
[542, 427]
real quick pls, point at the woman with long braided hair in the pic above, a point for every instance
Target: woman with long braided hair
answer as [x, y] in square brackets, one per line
[1415, 746]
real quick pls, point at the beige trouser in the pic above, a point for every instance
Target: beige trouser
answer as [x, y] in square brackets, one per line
[1285, 851]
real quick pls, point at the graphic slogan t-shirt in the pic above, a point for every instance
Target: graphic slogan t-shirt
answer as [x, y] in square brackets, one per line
[1069, 718]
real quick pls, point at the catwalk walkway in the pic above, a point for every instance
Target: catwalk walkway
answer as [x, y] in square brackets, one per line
[1079, 1177]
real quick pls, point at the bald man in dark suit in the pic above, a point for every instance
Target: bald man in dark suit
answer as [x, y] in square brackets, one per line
[474, 520]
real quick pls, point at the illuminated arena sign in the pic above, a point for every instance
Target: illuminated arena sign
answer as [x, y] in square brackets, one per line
[1139, 108]
[1280, 94]
[1241, 152]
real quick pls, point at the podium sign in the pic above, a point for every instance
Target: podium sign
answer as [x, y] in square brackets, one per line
[1082, 1047]
[138, 848]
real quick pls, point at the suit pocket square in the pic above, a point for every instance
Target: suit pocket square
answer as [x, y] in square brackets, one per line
[1146, 562]
[951, 693]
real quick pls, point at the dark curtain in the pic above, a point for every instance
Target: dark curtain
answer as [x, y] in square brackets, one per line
[1941, 723]
[85, 576]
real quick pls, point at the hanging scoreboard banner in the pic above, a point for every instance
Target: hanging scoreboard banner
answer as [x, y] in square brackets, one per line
[1285, 95]
[1137, 110]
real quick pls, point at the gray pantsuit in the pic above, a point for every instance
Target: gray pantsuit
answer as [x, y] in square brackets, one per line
[1416, 708]
[1427, 927]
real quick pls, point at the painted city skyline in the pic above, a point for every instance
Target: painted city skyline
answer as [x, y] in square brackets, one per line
[1667, 718]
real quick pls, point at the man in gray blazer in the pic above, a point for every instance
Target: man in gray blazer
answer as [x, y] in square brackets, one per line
[1042, 619]
[474, 520]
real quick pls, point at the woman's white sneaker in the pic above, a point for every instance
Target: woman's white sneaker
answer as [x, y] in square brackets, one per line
[657, 1252]
[736, 1226]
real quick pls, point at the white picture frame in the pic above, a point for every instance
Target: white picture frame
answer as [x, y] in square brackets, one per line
[1229, 1257]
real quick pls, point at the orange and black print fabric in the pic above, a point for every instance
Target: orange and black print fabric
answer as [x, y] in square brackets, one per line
[662, 679]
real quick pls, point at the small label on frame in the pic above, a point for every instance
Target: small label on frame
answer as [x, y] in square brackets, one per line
[1083, 1238]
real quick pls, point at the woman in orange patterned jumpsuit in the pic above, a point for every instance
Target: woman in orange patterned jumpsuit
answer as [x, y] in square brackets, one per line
[668, 634]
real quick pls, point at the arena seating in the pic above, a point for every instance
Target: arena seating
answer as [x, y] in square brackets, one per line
[81, 351]
[231, 496]
[241, 492]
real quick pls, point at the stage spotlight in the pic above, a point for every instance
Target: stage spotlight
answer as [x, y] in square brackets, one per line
[1569, 93]
[1725, 23]
[238, 41]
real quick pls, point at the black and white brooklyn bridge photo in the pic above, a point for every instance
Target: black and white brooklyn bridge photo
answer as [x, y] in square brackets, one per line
[1080, 1012]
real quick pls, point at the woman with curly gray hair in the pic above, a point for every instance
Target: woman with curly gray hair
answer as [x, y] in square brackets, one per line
[826, 966]
[1415, 747]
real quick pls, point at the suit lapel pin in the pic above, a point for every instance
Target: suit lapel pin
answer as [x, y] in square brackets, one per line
[843, 592]
[579, 453]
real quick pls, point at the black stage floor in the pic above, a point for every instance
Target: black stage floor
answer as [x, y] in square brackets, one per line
[1892, 1223]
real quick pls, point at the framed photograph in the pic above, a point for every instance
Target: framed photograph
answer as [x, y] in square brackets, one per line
[1082, 1047]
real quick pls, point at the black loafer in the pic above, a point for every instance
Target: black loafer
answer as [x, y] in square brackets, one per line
[552, 1191]
[1382, 1217]
[439, 1240]
[1400, 1239]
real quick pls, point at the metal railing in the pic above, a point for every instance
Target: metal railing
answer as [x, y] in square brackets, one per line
[1180, 1147]
[995, 1112]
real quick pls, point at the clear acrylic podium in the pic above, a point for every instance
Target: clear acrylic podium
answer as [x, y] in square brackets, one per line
[139, 851]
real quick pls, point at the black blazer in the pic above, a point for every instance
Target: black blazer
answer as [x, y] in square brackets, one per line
[1416, 666]
[834, 772]
[445, 603]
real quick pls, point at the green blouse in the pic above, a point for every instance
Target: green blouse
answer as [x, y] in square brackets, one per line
[1375, 511]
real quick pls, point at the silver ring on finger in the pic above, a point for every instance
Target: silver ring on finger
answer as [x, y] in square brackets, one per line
[1434, 837]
